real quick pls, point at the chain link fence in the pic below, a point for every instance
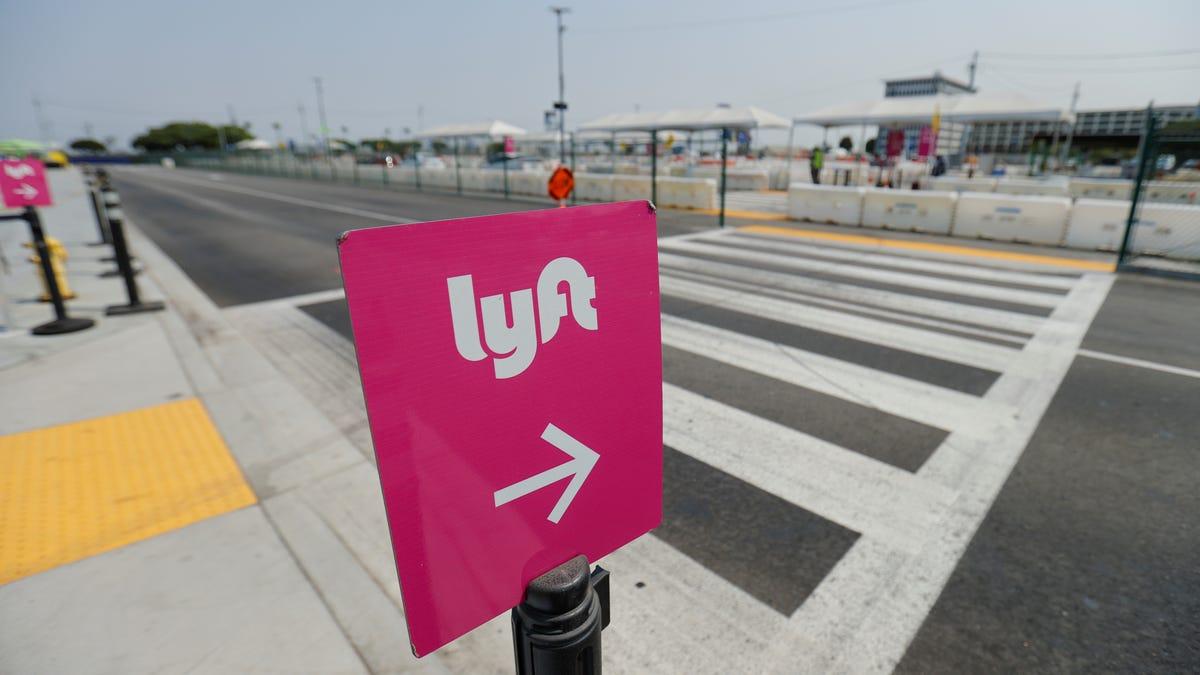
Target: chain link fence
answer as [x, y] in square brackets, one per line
[1162, 231]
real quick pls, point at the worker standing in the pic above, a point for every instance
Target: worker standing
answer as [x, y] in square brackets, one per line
[815, 163]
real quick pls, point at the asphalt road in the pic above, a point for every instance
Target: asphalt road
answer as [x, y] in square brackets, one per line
[1088, 559]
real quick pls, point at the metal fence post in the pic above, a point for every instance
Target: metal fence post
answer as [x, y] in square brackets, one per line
[1145, 151]
[505, 165]
[654, 167]
[457, 167]
[575, 189]
[724, 161]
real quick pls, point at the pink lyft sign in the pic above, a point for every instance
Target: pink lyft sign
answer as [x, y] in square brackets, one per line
[512, 370]
[23, 183]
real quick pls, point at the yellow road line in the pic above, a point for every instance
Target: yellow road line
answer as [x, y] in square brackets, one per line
[866, 240]
[74, 490]
[746, 215]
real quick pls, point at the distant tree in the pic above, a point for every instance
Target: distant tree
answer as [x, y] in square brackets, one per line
[439, 147]
[88, 145]
[870, 149]
[188, 136]
[846, 143]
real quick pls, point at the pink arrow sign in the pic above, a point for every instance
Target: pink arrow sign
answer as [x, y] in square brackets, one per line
[23, 183]
[512, 370]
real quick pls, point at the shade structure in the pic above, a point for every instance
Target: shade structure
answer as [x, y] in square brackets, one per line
[695, 119]
[492, 129]
[918, 109]
[727, 119]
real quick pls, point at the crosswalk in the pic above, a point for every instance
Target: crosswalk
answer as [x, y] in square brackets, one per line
[837, 422]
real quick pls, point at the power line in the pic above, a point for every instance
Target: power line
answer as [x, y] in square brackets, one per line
[1092, 56]
[1070, 69]
[703, 23]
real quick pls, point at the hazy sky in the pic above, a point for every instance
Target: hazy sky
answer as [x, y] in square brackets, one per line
[124, 65]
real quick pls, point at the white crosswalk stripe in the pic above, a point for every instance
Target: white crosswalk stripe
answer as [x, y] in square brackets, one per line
[901, 529]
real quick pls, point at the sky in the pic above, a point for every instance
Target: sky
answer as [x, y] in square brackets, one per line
[120, 67]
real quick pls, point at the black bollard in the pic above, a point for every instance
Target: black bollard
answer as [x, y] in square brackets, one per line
[556, 629]
[61, 323]
[93, 185]
[116, 225]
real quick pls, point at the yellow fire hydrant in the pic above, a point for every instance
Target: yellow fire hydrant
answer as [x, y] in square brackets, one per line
[58, 255]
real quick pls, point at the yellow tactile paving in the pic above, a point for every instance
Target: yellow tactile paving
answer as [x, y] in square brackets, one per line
[1093, 265]
[746, 215]
[78, 489]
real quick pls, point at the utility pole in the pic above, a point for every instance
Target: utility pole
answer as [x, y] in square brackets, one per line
[1066, 152]
[321, 113]
[420, 117]
[45, 131]
[303, 123]
[561, 104]
[87, 130]
[232, 114]
[971, 69]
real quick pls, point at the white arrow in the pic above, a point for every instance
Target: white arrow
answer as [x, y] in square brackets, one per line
[580, 465]
[27, 191]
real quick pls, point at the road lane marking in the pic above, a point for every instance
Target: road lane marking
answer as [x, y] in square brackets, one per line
[872, 608]
[892, 335]
[847, 487]
[292, 200]
[860, 295]
[1140, 363]
[910, 399]
[843, 269]
[918, 264]
[1090, 265]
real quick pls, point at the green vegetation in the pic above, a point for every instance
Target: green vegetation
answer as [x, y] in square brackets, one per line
[189, 136]
[88, 145]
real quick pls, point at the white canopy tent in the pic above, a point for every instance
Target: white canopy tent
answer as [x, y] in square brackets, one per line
[726, 119]
[492, 130]
[917, 109]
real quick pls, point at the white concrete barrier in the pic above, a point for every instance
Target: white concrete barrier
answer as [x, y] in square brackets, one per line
[1173, 193]
[952, 184]
[1039, 220]
[735, 178]
[1171, 230]
[825, 204]
[1032, 187]
[593, 187]
[1097, 224]
[1094, 188]
[919, 211]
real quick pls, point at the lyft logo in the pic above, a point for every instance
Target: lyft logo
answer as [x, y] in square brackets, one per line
[18, 171]
[513, 340]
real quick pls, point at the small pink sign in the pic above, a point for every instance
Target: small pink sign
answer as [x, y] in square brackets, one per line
[512, 369]
[23, 183]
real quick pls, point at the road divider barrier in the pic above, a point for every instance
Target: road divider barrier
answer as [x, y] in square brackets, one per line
[1032, 187]
[1097, 224]
[1094, 188]
[953, 184]
[919, 211]
[1026, 219]
[825, 204]
[1169, 230]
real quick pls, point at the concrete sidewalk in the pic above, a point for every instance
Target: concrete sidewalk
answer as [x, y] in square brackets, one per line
[170, 502]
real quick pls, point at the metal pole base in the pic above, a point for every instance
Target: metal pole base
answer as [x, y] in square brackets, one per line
[556, 630]
[60, 326]
[138, 308]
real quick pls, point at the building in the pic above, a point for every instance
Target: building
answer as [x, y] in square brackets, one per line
[1098, 128]
[926, 86]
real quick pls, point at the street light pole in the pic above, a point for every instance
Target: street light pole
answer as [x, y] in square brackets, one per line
[321, 113]
[561, 104]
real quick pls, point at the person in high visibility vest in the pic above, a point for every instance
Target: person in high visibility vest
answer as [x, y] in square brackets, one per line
[815, 163]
